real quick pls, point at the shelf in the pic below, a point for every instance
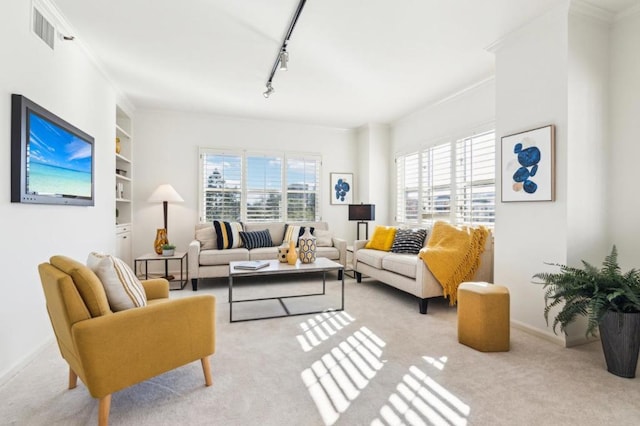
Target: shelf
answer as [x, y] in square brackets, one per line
[123, 178]
[122, 132]
[122, 158]
[122, 200]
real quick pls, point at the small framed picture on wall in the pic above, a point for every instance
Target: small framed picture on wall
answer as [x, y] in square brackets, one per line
[341, 188]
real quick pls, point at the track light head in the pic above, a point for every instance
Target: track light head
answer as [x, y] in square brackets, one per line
[284, 59]
[269, 90]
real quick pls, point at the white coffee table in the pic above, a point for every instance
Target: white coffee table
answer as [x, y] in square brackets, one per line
[276, 267]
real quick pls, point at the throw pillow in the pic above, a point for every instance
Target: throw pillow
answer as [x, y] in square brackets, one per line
[227, 234]
[293, 232]
[207, 238]
[409, 240]
[256, 239]
[382, 238]
[323, 238]
[123, 289]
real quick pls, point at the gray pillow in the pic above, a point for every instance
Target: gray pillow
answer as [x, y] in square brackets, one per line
[323, 238]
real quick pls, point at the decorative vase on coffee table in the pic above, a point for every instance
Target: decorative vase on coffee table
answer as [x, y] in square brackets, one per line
[307, 243]
[292, 256]
[283, 251]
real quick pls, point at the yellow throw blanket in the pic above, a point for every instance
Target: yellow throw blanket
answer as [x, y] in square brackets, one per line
[453, 255]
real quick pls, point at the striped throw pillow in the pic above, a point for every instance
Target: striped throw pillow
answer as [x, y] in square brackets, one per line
[293, 232]
[227, 234]
[409, 240]
[123, 289]
[256, 239]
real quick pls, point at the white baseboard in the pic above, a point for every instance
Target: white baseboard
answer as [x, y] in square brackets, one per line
[17, 368]
[550, 337]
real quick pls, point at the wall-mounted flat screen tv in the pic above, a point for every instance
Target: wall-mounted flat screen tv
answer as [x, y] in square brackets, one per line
[52, 161]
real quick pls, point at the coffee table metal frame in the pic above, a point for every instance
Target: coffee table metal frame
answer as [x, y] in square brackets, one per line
[276, 267]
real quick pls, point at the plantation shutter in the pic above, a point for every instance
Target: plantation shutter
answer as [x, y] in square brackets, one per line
[407, 190]
[264, 188]
[221, 186]
[303, 188]
[475, 180]
[436, 183]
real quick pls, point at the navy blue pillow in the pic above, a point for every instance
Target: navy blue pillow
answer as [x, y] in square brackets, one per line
[256, 239]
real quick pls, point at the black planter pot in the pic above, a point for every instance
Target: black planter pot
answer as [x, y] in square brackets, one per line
[620, 337]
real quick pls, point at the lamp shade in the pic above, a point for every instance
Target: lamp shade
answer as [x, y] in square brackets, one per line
[362, 211]
[165, 192]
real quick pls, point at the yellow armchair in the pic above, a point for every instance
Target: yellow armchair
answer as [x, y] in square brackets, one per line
[111, 351]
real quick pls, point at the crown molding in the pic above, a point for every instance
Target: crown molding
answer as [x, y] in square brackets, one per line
[584, 8]
[632, 11]
[61, 23]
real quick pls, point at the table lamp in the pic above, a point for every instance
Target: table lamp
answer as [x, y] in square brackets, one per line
[362, 213]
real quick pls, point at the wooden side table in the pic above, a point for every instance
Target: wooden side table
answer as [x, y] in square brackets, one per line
[183, 257]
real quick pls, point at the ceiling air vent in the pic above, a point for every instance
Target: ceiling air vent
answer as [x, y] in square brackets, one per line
[43, 28]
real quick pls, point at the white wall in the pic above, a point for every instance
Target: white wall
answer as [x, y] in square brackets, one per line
[531, 91]
[588, 142]
[624, 201]
[166, 151]
[375, 165]
[470, 110]
[65, 82]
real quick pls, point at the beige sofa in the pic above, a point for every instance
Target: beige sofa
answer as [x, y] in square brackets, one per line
[408, 272]
[211, 263]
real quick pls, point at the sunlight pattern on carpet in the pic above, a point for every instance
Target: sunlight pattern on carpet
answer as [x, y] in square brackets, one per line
[321, 327]
[419, 400]
[338, 377]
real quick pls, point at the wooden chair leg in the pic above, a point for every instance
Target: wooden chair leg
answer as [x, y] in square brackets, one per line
[206, 369]
[103, 410]
[73, 379]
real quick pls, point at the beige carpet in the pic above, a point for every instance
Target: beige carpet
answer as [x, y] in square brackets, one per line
[377, 363]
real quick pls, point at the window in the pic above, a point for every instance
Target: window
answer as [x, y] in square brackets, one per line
[303, 187]
[222, 186]
[408, 181]
[436, 183]
[264, 188]
[475, 179]
[257, 187]
[452, 181]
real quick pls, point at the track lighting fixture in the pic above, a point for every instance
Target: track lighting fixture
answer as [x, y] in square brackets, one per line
[269, 90]
[282, 58]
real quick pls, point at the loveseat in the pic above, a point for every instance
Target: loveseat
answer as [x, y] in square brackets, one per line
[408, 272]
[207, 261]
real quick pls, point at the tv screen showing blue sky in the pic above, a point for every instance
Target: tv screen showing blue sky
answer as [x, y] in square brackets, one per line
[59, 162]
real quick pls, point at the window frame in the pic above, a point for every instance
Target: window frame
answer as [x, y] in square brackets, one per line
[457, 214]
[244, 155]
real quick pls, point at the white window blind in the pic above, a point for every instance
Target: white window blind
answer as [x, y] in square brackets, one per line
[436, 186]
[256, 187]
[475, 179]
[408, 187]
[221, 183]
[303, 188]
[264, 188]
[452, 182]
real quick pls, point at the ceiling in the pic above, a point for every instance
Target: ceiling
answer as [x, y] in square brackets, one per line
[350, 62]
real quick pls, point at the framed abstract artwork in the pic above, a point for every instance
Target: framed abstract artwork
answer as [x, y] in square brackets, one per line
[528, 165]
[341, 188]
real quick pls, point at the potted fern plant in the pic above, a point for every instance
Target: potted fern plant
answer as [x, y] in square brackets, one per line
[609, 298]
